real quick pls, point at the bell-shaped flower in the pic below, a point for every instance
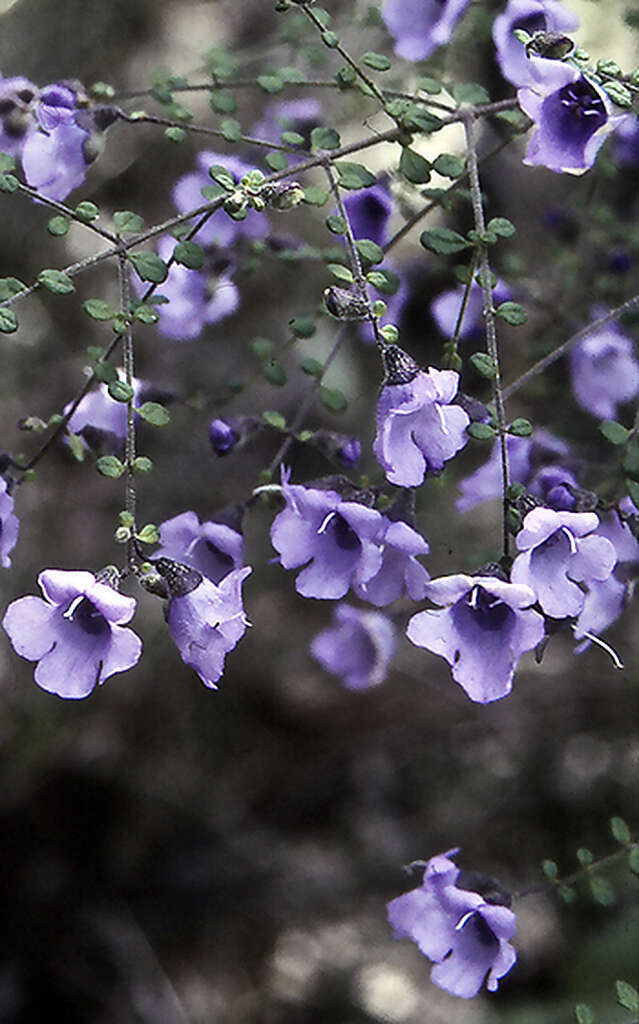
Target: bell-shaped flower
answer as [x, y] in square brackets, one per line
[418, 429]
[558, 552]
[9, 524]
[213, 548]
[482, 628]
[532, 16]
[400, 571]
[446, 307]
[466, 934]
[604, 372]
[358, 648]
[420, 26]
[75, 634]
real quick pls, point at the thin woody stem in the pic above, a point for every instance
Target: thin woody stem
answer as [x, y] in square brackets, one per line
[489, 317]
[129, 445]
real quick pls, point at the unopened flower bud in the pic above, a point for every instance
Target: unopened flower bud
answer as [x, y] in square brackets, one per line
[343, 447]
[345, 305]
[154, 584]
[400, 368]
[222, 437]
[552, 45]
[109, 575]
[180, 579]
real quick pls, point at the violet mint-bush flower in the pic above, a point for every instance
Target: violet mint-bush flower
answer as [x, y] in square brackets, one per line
[483, 627]
[604, 372]
[531, 16]
[9, 525]
[418, 427]
[213, 548]
[445, 309]
[399, 570]
[358, 648]
[465, 934]
[558, 552]
[76, 634]
[420, 26]
[526, 455]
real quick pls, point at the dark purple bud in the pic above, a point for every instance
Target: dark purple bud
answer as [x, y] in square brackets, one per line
[350, 453]
[222, 437]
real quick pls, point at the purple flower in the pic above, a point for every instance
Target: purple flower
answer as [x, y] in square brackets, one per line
[604, 372]
[338, 542]
[17, 97]
[220, 229]
[222, 437]
[101, 412]
[288, 115]
[54, 163]
[484, 627]
[196, 297]
[464, 934]
[400, 569]
[551, 485]
[572, 115]
[532, 16]
[625, 141]
[358, 648]
[75, 634]
[525, 455]
[205, 620]
[417, 427]
[369, 212]
[557, 554]
[445, 309]
[420, 26]
[9, 525]
[213, 548]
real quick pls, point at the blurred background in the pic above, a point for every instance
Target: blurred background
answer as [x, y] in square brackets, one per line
[172, 854]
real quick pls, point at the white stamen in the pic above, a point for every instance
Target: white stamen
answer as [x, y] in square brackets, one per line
[616, 660]
[72, 607]
[571, 540]
[472, 603]
[463, 920]
[324, 527]
[442, 422]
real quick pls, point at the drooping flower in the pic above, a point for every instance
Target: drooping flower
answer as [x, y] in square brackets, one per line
[559, 551]
[205, 620]
[572, 114]
[222, 436]
[75, 634]
[603, 371]
[338, 542]
[9, 525]
[532, 16]
[420, 26]
[213, 548]
[526, 455]
[400, 571]
[358, 648]
[369, 212]
[220, 230]
[98, 411]
[445, 309]
[465, 934]
[418, 429]
[485, 624]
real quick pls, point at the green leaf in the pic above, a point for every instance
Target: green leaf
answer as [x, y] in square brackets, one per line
[56, 282]
[277, 160]
[336, 224]
[550, 869]
[418, 119]
[270, 83]
[315, 196]
[449, 165]
[512, 313]
[274, 419]
[370, 251]
[142, 464]
[213, 192]
[484, 365]
[376, 61]
[354, 176]
[189, 254]
[292, 74]
[120, 391]
[583, 1014]
[443, 241]
[146, 314]
[429, 85]
[105, 372]
[501, 226]
[149, 266]
[222, 101]
[175, 134]
[149, 534]
[10, 286]
[633, 860]
[520, 428]
[8, 321]
[330, 39]
[566, 894]
[109, 465]
[619, 94]
[481, 431]
[7, 162]
[292, 139]
[98, 309]
[333, 399]
[414, 167]
[469, 92]
[312, 367]
[58, 226]
[274, 373]
[341, 272]
[154, 413]
[602, 891]
[385, 281]
[627, 996]
[324, 138]
[614, 432]
[261, 347]
[76, 445]
[303, 326]
[631, 458]
[9, 183]
[585, 856]
[620, 831]
[345, 77]
[127, 222]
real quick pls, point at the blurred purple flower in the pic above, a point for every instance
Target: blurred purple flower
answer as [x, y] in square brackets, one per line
[220, 229]
[532, 16]
[418, 429]
[54, 163]
[75, 634]
[358, 648]
[369, 212]
[338, 541]
[205, 620]
[464, 934]
[9, 525]
[101, 412]
[484, 627]
[288, 115]
[625, 141]
[420, 26]
[603, 371]
[445, 309]
[525, 454]
[17, 98]
[400, 569]
[213, 548]
[557, 554]
[572, 115]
